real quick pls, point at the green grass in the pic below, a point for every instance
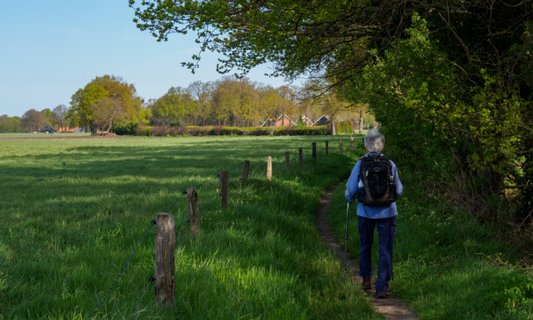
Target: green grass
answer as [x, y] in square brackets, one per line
[446, 265]
[76, 240]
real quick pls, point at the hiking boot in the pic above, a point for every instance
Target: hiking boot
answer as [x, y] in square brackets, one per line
[366, 285]
[383, 294]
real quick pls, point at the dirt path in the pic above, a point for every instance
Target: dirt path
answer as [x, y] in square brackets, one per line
[391, 308]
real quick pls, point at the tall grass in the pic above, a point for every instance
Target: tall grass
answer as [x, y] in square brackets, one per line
[447, 265]
[76, 240]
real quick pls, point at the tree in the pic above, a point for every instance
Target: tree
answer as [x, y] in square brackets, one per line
[50, 117]
[202, 93]
[176, 108]
[236, 102]
[9, 124]
[299, 36]
[420, 97]
[105, 101]
[61, 113]
[33, 120]
[276, 101]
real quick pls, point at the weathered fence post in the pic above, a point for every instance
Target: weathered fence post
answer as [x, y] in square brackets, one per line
[287, 161]
[314, 151]
[351, 142]
[165, 243]
[269, 168]
[224, 188]
[245, 171]
[301, 156]
[341, 148]
[327, 147]
[194, 214]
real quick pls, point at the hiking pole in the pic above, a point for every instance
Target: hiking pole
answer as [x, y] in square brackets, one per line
[346, 243]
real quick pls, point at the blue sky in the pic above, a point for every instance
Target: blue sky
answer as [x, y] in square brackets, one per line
[49, 49]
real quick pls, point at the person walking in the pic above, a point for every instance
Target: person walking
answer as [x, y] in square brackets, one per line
[376, 185]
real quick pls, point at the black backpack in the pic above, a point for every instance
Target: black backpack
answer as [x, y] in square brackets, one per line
[379, 186]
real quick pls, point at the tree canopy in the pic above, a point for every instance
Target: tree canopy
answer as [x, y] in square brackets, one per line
[105, 101]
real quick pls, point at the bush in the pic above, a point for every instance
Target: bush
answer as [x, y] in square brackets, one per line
[123, 129]
[166, 130]
[144, 131]
[344, 126]
[301, 131]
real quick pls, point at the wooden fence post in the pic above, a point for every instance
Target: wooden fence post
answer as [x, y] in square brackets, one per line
[341, 148]
[287, 161]
[314, 151]
[245, 171]
[224, 188]
[327, 147]
[165, 243]
[269, 168]
[194, 214]
[301, 156]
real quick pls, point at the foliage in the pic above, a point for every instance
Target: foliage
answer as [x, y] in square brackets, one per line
[105, 101]
[344, 126]
[174, 108]
[298, 36]
[134, 129]
[33, 120]
[229, 101]
[10, 124]
[61, 114]
[425, 100]
[130, 129]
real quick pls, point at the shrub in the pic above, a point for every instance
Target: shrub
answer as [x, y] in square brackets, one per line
[301, 131]
[166, 130]
[163, 131]
[144, 131]
[344, 126]
[122, 129]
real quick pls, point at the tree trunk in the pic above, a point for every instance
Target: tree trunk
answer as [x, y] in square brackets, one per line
[361, 124]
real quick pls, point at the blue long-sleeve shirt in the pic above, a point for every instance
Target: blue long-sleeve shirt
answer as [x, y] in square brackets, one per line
[353, 187]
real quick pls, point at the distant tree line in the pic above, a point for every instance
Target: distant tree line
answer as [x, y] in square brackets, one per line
[108, 102]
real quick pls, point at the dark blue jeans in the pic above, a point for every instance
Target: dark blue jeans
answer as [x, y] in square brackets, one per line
[386, 234]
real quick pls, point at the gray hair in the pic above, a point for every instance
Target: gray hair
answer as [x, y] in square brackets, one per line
[374, 141]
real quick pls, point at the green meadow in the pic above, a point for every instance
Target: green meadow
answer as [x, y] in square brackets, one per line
[76, 240]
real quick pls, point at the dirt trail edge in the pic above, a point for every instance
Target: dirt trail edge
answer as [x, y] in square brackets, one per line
[391, 308]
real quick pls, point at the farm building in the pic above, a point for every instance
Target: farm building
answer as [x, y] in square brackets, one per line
[281, 121]
[321, 121]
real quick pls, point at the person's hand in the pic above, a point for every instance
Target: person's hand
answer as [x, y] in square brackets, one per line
[346, 193]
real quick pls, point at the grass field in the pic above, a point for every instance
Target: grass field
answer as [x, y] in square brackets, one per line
[76, 240]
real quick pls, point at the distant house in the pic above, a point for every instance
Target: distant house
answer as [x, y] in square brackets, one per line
[306, 121]
[269, 122]
[281, 121]
[321, 121]
[284, 121]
